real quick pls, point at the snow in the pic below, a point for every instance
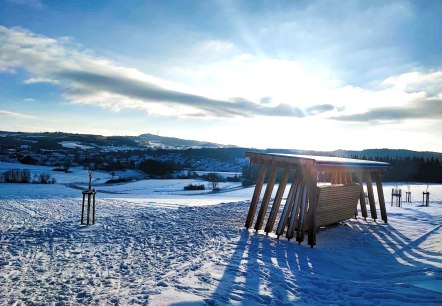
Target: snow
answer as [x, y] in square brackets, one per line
[156, 244]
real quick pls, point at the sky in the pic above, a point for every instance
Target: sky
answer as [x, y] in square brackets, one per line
[314, 75]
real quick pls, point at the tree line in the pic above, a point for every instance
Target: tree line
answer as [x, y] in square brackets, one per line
[411, 169]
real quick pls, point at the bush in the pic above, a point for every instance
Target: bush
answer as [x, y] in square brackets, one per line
[235, 178]
[194, 187]
[28, 160]
[44, 178]
[16, 176]
[24, 176]
[119, 180]
[247, 182]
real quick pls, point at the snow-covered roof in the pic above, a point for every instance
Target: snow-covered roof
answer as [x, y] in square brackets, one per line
[320, 161]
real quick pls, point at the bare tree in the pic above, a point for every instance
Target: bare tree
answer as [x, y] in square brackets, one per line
[214, 179]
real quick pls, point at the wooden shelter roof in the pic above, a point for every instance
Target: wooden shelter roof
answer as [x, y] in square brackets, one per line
[323, 163]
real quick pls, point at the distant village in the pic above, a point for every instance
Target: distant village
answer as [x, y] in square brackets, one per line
[49, 150]
[166, 157]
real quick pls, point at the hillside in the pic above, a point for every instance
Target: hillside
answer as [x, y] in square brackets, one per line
[113, 153]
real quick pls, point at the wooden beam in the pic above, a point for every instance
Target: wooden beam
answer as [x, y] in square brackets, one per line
[294, 215]
[302, 212]
[313, 202]
[334, 178]
[277, 201]
[256, 195]
[288, 205]
[362, 195]
[381, 196]
[266, 198]
[371, 195]
[347, 178]
[341, 177]
[82, 209]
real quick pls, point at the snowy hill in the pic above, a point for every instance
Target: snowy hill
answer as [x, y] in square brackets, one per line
[162, 142]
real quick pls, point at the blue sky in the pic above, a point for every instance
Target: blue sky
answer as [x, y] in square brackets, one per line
[288, 74]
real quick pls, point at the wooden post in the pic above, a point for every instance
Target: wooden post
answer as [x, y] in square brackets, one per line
[381, 196]
[408, 196]
[93, 207]
[288, 205]
[313, 201]
[88, 207]
[277, 201]
[350, 177]
[362, 196]
[334, 178]
[344, 178]
[302, 212]
[256, 194]
[392, 196]
[82, 208]
[426, 198]
[294, 216]
[371, 195]
[266, 198]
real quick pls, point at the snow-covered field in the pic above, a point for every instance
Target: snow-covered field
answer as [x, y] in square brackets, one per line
[156, 244]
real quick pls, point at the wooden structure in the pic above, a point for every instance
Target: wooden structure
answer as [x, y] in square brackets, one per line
[90, 204]
[308, 204]
[396, 197]
[408, 196]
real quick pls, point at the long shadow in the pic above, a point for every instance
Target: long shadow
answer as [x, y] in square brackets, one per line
[224, 291]
[264, 270]
[261, 272]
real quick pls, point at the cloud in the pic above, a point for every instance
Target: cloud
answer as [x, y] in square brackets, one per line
[15, 115]
[89, 79]
[420, 109]
[319, 109]
[430, 83]
[266, 100]
[41, 80]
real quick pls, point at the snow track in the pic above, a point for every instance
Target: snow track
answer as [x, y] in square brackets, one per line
[142, 253]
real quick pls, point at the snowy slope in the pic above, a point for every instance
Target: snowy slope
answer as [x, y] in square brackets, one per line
[156, 244]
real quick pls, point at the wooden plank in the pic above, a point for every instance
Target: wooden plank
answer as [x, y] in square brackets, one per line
[313, 202]
[93, 209]
[88, 207]
[288, 206]
[322, 163]
[82, 209]
[350, 178]
[345, 177]
[370, 195]
[256, 195]
[294, 214]
[302, 212]
[266, 198]
[277, 201]
[381, 196]
[362, 196]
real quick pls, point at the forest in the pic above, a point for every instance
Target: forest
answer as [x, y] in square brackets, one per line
[411, 169]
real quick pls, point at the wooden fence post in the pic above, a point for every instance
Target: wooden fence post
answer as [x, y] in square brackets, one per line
[288, 205]
[266, 198]
[313, 201]
[381, 196]
[374, 214]
[256, 194]
[277, 201]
